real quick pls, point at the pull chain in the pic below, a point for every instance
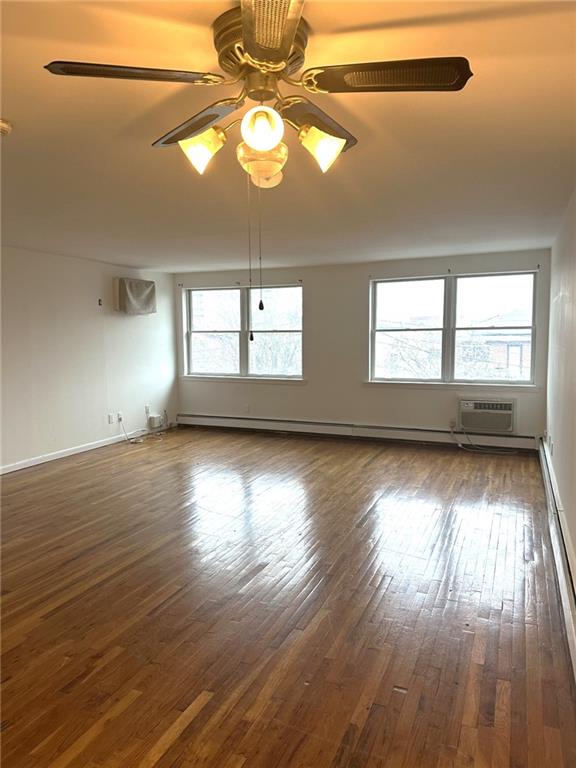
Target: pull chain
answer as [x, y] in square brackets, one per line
[261, 304]
[251, 335]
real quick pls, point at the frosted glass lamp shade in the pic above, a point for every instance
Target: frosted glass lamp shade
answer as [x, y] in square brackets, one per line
[323, 147]
[262, 164]
[202, 148]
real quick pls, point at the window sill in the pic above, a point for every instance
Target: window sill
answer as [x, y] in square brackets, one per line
[248, 379]
[464, 385]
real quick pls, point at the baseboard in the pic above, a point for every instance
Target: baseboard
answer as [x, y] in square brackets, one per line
[562, 549]
[356, 430]
[68, 452]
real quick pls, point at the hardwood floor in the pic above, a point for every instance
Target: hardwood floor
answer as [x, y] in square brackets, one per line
[240, 600]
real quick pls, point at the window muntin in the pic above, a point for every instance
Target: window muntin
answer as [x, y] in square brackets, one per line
[485, 333]
[219, 325]
[407, 334]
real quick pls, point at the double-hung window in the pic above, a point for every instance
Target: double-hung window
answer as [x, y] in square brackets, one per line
[229, 335]
[477, 328]
[494, 333]
[276, 347]
[408, 318]
[214, 332]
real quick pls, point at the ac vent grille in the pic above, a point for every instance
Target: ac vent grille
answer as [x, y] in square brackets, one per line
[491, 416]
[491, 406]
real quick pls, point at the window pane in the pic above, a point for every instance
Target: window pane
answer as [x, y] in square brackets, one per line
[410, 304]
[494, 300]
[282, 309]
[408, 355]
[215, 353]
[276, 354]
[216, 310]
[493, 355]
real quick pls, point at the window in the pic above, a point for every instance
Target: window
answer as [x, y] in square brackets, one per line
[493, 339]
[277, 346]
[215, 332]
[219, 325]
[408, 330]
[469, 328]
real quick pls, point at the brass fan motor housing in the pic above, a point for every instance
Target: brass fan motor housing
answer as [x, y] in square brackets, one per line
[228, 40]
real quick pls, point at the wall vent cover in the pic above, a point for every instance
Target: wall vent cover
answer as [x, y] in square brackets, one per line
[136, 297]
[487, 415]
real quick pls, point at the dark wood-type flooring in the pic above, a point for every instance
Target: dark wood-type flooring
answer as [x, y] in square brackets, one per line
[220, 599]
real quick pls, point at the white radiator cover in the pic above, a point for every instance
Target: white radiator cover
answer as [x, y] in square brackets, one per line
[492, 416]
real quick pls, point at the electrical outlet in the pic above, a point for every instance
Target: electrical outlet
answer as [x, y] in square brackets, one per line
[119, 416]
[110, 418]
[147, 410]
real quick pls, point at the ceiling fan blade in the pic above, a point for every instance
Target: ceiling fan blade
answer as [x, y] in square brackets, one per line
[83, 69]
[199, 122]
[461, 15]
[300, 111]
[269, 28]
[439, 74]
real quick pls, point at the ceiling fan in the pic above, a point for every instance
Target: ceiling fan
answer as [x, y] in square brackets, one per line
[260, 44]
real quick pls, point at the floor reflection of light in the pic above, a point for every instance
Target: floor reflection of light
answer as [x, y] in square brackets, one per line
[441, 539]
[250, 544]
[263, 516]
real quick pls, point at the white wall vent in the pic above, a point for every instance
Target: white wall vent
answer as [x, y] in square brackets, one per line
[136, 297]
[487, 415]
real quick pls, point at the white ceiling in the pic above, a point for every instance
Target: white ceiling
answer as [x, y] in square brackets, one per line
[485, 169]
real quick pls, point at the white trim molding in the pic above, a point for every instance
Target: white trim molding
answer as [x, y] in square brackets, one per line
[412, 434]
[561, 547]
[32, 462]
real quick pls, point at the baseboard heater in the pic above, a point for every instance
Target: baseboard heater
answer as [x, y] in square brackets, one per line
[343, 429]
[559, 549]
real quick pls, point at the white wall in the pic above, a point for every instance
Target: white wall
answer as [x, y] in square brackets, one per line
[67, 362]
[561, 428]
[336, 350]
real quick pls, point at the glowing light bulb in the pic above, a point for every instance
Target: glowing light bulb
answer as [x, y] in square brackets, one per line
[323, 147]
[202, 148]
[262, 128]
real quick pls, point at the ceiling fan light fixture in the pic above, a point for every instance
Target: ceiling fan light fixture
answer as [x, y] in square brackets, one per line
[202, 148]
[323, 147]
[262, 128]
[263, 165]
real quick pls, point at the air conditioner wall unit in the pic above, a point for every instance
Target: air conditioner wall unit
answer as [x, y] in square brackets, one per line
[490, 416]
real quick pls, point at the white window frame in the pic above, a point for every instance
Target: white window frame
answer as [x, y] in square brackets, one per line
[449, 330]
[243, 333]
